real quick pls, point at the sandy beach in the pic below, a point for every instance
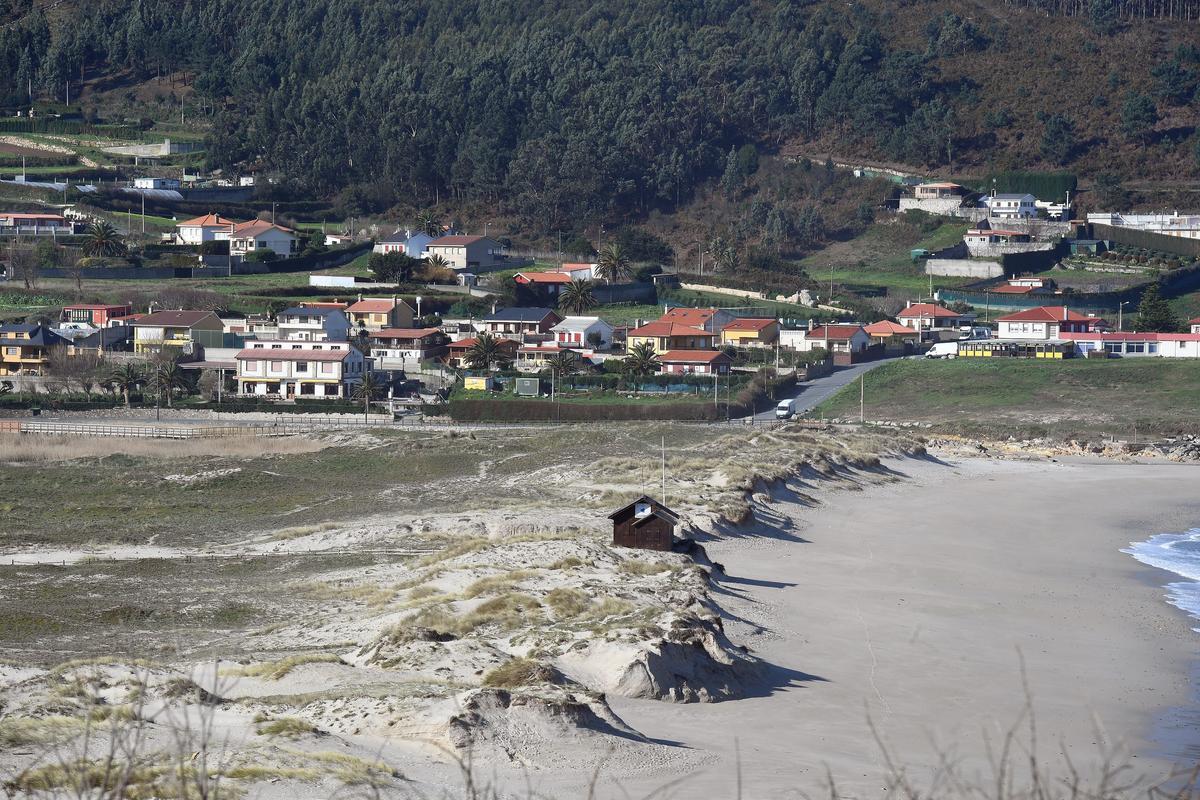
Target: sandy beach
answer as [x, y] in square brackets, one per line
[913, 603]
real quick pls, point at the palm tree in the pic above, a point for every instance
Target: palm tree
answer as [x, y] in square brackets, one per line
[429, 223]
[577, 296]
[102, 239]
[641, 360]
[613, 264]
[563, 363]
[127, 378]
[485, 352]
[436, 263]
[164, 378]
[366, 390]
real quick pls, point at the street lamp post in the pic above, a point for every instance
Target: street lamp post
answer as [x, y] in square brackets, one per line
[1121, 315]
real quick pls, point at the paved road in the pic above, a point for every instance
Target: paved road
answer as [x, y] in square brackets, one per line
[809, 395]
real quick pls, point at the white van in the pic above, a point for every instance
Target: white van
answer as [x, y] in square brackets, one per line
[943, 350]
[785, 409]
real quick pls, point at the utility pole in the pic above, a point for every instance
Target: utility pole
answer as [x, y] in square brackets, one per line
[664, 470]
[862, 398]
[831, 284]
[143, 213]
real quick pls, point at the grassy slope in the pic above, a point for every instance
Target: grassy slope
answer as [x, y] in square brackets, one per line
[1055, 398]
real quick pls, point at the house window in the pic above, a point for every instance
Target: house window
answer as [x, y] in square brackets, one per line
[1152, 347]
[302, 366]
[251, 366]
[276, 347]
[1135, 347]
[297, 347]
[276, 366]
[329, 369]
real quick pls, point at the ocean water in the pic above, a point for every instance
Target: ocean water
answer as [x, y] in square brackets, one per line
[1178, 553]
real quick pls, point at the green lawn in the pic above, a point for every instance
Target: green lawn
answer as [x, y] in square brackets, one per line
[880, 257]
[1060, 398]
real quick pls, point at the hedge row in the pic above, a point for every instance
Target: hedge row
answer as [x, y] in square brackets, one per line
[547, 411]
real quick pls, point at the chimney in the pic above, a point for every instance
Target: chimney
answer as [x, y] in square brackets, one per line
[811, 324]
[360, 297]
[1064, 313]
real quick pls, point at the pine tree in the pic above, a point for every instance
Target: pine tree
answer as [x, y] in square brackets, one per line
[1154, 313]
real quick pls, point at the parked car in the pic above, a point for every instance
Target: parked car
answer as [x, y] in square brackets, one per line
[785, 410]
[943, 350]
[974, 333]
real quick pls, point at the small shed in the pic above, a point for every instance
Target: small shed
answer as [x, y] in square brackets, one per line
[645, 524]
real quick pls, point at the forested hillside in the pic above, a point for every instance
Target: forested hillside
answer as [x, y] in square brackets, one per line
[579, 109]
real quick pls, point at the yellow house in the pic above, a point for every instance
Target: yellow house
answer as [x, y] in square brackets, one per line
[750, 332]
[665, 336]
[25, 349]
[376, 314]
[162, 329]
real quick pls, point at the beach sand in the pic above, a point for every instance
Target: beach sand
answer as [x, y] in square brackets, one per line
[912, 605]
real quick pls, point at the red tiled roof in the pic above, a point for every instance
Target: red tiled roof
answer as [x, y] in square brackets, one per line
[207, 221]
[175, 319]
[926, 311]
[454, 241]
[888, 328]
[940, 186]
[689, 316]
[542, 277]
[467, 344]
[257, 227]
[95, 307]
[405, 333]
[1010, 289]
[747, 324]
[833, 332]
[1046, 314]
[375, 305]
[269, 354]
[692, 356]
[13, 215]
[1195, 321]
[663, 328]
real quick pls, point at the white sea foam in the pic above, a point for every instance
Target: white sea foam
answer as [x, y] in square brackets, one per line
[1178, 553]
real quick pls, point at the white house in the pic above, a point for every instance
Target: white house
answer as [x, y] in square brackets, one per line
[849, 338]
[407, 242]
[1010, 206]
[935, 198]
[1138, 345]
[472, 253]
[932, 317]
[313, 324]
[209, 228]
[1194, 325]
[156, 183]
[259, 235]
[407, 348]
[583, 332]
[1044, 323]
[290, 369]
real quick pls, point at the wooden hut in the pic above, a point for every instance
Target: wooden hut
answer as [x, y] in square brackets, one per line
[645, 524]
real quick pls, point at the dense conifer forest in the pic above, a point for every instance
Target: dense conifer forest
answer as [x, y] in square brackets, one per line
[573, 109]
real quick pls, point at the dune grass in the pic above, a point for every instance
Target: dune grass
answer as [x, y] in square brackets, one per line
[275, 670]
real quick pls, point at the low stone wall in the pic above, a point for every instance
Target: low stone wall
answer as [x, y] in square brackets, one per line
[704, 287]
[997, 249]
[963, 268]
[941, 205]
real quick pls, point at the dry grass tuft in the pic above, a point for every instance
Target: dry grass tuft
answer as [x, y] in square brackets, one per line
[285, 727]
[637, 567]
[274, 670]
[471, 545]
[520, 672]
[566, 602]
[497, 583]
[21, 731]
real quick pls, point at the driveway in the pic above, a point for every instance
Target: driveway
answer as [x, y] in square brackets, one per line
[811, 394]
